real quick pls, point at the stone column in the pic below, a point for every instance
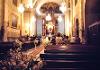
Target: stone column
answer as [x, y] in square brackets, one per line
[83, 21]
[1, 12]
[5, 19]
[21, 24]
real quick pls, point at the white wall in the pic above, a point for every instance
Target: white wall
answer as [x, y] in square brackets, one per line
[61, 27]
[39, 26]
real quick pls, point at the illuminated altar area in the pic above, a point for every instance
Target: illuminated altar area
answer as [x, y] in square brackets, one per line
[49, 27]
[51, 15]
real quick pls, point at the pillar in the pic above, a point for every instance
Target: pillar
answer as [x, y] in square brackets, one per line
[5, 19]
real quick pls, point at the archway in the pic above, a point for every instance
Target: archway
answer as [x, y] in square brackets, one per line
[50, 10]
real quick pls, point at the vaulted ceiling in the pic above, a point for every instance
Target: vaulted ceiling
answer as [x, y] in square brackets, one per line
[45, 6]
[50, 7]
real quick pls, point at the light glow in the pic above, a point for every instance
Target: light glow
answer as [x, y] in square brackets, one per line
[63, 46]
[48, 17]
[38, 10]
[32, 26]
[62, 8]
[33, 19]
[59, 18]
[21, 8]
[29, 4]
[49, 26]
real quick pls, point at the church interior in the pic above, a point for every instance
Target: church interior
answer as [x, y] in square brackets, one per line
[49, 34]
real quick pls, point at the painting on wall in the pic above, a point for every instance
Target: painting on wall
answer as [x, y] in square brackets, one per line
[14, 21]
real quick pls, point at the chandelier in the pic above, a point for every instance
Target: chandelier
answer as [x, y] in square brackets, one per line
[22, 6]
[48, 17]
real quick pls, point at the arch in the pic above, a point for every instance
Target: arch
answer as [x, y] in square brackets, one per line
[42, 2]
[50, 7]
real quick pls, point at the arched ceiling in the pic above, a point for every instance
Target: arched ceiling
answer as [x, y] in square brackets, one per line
[50, 7]
[53, 5]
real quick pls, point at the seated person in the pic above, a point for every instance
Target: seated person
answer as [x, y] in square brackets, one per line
[72, 39]
[53, 41]
[77, 40]
[65, 39]
[58, 39]
[47, 40]
[17, 44]
[36, 41]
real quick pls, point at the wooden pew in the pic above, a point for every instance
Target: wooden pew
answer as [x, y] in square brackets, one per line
[70, 61]
[4, 49]
[69, 64]
[6, 46]
[27, 45]
[69, 56]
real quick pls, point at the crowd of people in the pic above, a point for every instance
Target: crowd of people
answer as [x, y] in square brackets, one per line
[58, 39]
[14, 59]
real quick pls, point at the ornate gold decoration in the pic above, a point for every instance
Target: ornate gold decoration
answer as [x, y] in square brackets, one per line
[50, 7]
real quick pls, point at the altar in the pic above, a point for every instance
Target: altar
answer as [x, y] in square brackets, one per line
[50, 27]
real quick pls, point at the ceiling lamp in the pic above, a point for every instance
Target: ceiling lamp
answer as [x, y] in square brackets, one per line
[21, 8]
[63, 7]
[48, 17]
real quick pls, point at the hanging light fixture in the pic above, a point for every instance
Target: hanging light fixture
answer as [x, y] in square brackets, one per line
[63, 7]
[48, 17]
[21, 7]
